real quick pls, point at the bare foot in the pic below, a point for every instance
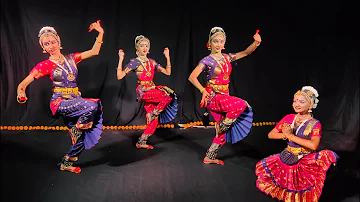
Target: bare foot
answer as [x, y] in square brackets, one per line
[72, 169]
[144, 146]
[213, 161]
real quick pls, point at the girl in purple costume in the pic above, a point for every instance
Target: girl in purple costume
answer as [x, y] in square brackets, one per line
[233, 115]
[82, 115]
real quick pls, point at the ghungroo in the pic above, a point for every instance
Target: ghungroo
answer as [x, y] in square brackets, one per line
[212, 151]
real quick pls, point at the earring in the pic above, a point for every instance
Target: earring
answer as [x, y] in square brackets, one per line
[310, 110]
[208, 46]
[60, 47]
[44, 51]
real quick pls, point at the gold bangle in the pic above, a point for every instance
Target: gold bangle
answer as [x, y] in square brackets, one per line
[99, 41]
[289, 138]
[283, 137]
[202, 89]
[21, 102]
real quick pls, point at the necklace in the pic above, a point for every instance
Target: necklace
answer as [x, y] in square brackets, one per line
[302, 123]
[148, 72]
[226, 75]
[70, 76]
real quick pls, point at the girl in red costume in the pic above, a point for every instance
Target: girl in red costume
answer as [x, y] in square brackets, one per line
[159, 101]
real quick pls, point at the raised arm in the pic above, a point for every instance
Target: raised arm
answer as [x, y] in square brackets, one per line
[98, 42]
[251, 48]
[167, 69]
[120, 73]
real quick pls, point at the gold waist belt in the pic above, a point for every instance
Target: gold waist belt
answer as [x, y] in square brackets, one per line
[219, 87]
[298, 150]
[67, 91]
[146, 82]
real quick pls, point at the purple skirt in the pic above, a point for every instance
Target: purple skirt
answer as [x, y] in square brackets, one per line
[84, 111]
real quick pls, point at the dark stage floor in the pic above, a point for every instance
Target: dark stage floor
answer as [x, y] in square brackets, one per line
[115, 170]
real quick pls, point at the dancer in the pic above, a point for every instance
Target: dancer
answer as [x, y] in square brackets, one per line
[299, 171]
[83, 116]
[159, 101]
[233, 115]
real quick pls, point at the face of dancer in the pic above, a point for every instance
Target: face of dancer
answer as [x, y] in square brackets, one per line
[217, 43]
[143, 48]
[51, 45]
[300, 104]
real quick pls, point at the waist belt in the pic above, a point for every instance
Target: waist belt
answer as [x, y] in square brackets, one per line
[67, 91]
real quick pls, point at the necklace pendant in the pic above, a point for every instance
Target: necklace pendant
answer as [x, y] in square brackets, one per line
[148, 73]
[226, 76]
[70, 77]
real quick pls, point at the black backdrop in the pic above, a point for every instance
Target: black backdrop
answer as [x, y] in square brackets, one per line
[303, 44]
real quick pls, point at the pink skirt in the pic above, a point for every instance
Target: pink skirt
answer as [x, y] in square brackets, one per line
[299, 182]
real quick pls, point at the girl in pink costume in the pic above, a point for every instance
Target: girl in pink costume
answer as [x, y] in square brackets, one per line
[299, 171]
[233, 115]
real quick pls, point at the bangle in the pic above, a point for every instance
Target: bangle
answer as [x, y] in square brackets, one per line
[99, 41]
[202, 89]
[117, 68]
[290, 137]
[283, 137]
[257, 44]
[21, 101]
[168, 66]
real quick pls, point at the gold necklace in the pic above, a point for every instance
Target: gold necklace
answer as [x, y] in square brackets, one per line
[148, 73]
[70, 76]
[226, 75]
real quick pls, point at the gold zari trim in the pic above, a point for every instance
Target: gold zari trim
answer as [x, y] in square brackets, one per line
[67, 91]
[297, 151]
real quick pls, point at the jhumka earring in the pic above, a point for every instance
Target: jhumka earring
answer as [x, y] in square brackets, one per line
[44, 51]
[310, 110]
[208, 46]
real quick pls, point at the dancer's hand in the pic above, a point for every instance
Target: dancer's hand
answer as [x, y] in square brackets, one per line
[166, 53]
[257, 37]
[286, 128]
[21, 96]
[121, 54]
[205, 98]
[96, 25]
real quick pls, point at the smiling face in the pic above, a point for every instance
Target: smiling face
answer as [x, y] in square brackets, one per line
[301, 104]
[217, 43]
[143, 47]
[50, 45]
